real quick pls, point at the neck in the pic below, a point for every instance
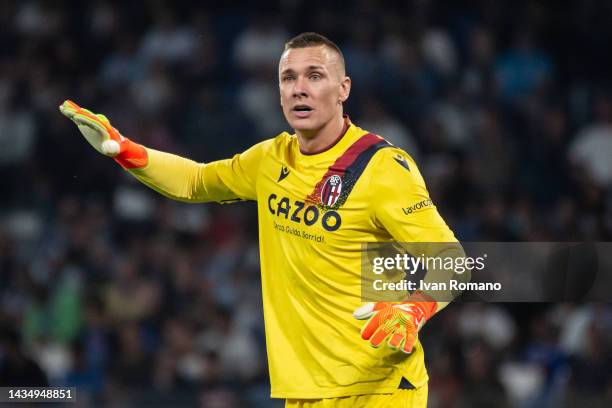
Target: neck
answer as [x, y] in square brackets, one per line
[315, 141]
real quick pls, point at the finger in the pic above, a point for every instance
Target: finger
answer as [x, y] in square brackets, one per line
[411, 338]
[68, 104]
[381, 334]
[68, 107]
[103, 118]
[371, 326]
[88, 116]
[396, 340]
[67, 111]
[74, 111]
[82, 120]
[384, 316]
[71, 104]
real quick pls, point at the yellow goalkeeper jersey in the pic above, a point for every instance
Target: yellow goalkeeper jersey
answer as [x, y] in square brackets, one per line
[315, 211]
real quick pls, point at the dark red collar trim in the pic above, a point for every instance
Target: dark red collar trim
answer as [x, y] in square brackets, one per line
[347, 123]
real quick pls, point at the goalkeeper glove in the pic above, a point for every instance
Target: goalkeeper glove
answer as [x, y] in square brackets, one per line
[105, 138]
[399, 320]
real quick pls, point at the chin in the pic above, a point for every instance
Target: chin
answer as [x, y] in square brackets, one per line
[303, 125]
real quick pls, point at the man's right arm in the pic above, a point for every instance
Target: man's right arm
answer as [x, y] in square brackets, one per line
[173, 176]
[185, 180]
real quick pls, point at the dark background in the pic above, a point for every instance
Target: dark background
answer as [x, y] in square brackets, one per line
[106, 286]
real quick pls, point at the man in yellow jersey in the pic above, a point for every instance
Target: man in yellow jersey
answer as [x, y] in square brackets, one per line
[321, 193]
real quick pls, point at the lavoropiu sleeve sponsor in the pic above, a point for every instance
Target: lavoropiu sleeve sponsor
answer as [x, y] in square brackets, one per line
[401, 202]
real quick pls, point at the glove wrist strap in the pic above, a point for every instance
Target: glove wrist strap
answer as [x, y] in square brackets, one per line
[132, 156]
[425, 303]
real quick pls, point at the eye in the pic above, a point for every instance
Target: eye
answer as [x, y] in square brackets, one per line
[287, 78]
[315, 76]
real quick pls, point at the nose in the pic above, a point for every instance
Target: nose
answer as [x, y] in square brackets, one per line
[300, 88]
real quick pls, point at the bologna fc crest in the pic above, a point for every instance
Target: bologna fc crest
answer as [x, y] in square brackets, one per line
[331, 190]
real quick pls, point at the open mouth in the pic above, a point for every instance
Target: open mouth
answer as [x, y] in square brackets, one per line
[302, 111]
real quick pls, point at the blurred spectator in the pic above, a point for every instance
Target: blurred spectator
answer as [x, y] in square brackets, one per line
[87, 379]
[56, 315]
[376, 119]
[493, 155]
[122, 66]
[360, 65]
[236, 348]
[523, 69]
[259, 99]
[17, 138]
[591, 373]
[38, 18]
[153, 92]
[132, 366]
[544, 351]
[439, 51]
[482, 387]
[455, 119]
[546, 172]
[491, 324]
[188, 365]
[406, 83]
[132, 297]
[478, 76]
[18, 133]
[167, 40]
[258, 48]
[17, 369]
[592, 147]
[256, 53]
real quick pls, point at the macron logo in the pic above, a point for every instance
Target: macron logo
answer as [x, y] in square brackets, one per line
[402, 161]
[284, 173]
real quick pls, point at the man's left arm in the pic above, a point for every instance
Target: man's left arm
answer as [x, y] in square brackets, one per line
[402, 206]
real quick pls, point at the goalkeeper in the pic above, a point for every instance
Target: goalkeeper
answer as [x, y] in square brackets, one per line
[321, 193]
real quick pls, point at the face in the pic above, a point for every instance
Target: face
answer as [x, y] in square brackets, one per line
[313, 87]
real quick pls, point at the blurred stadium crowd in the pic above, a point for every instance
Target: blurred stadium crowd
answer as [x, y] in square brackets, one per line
[132, 298]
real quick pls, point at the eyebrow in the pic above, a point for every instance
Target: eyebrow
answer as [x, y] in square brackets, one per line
[310, 68]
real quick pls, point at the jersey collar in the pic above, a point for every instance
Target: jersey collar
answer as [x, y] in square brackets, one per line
[342, 142]
[347, 123]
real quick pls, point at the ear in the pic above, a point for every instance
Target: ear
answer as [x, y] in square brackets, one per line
[345, 89]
